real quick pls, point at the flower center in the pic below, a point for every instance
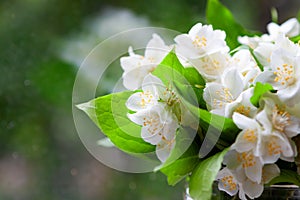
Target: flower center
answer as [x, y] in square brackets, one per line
[200, 42]
[243, 110]
[280, 118]
[229, 183]
[170, 97]
[285, 75]
[273, 148]
[153, 124]
[211, 66]
[151, 59]
[250, 135]
[225, 95]
[247, 159]
[146, 98]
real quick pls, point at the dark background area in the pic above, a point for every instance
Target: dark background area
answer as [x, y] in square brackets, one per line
[41, 155]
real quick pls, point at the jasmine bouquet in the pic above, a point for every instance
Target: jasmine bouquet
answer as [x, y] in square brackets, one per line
[220, 104]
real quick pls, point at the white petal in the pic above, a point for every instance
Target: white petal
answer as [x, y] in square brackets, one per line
[293, 128]
[169, 129]
[227, 182]
[262, 118]
[265, 77]
[244, 122]
[273, 28]
[141, 100]
[231, 160]
[217, 96]
[151, 136]
[185, 47]
[292, 27]
[291, 94]
[132, 80]
[254, 173]
[242, 105]
[197, 28]
[156, 49]
[211, 66]
[153, 85]
[129, 63]
[270, 172]
[276, 146]
[242, 194]
[286, 147]
[137, 117]
[164, 148]
[233, 80]
[252, 189]
[263, 53]
[245, 141]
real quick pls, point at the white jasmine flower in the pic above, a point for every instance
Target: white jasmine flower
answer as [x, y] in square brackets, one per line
[264, 51]
[243, 61]
[253, 42]
[250, 135]
[157, 124]
[284, 76]
[246, 65]
[290, 28]
[227, 182]
[285, 43]
[211, 66]
[232, 181]
[158, 128]
[152, 90]
[245, 162]
[153, 108]
[274, 144]
[219, 95]
[201, 40]
[136, 67]
[242, 105]
[281, 116]
[164, 148]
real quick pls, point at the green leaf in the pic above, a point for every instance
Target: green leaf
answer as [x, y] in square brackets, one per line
[259, 90]
[183, 158]
[221, 18]
[110, 115]
[188, 82]
[295, 39]
[261, 67]
[286, 176]
[203, 176]
[217, 128]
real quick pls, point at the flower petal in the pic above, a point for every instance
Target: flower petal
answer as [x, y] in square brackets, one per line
[252, 189]
[164, 148]
[227, 182]
[156, 49]
[141, 100]
[244, 122]
[270, 172]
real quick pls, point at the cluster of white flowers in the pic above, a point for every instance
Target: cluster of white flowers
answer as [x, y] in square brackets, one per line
[152, 106]
[154, 114]
[266, 131]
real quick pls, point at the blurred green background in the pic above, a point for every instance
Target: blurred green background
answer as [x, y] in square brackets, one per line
[42, 43]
